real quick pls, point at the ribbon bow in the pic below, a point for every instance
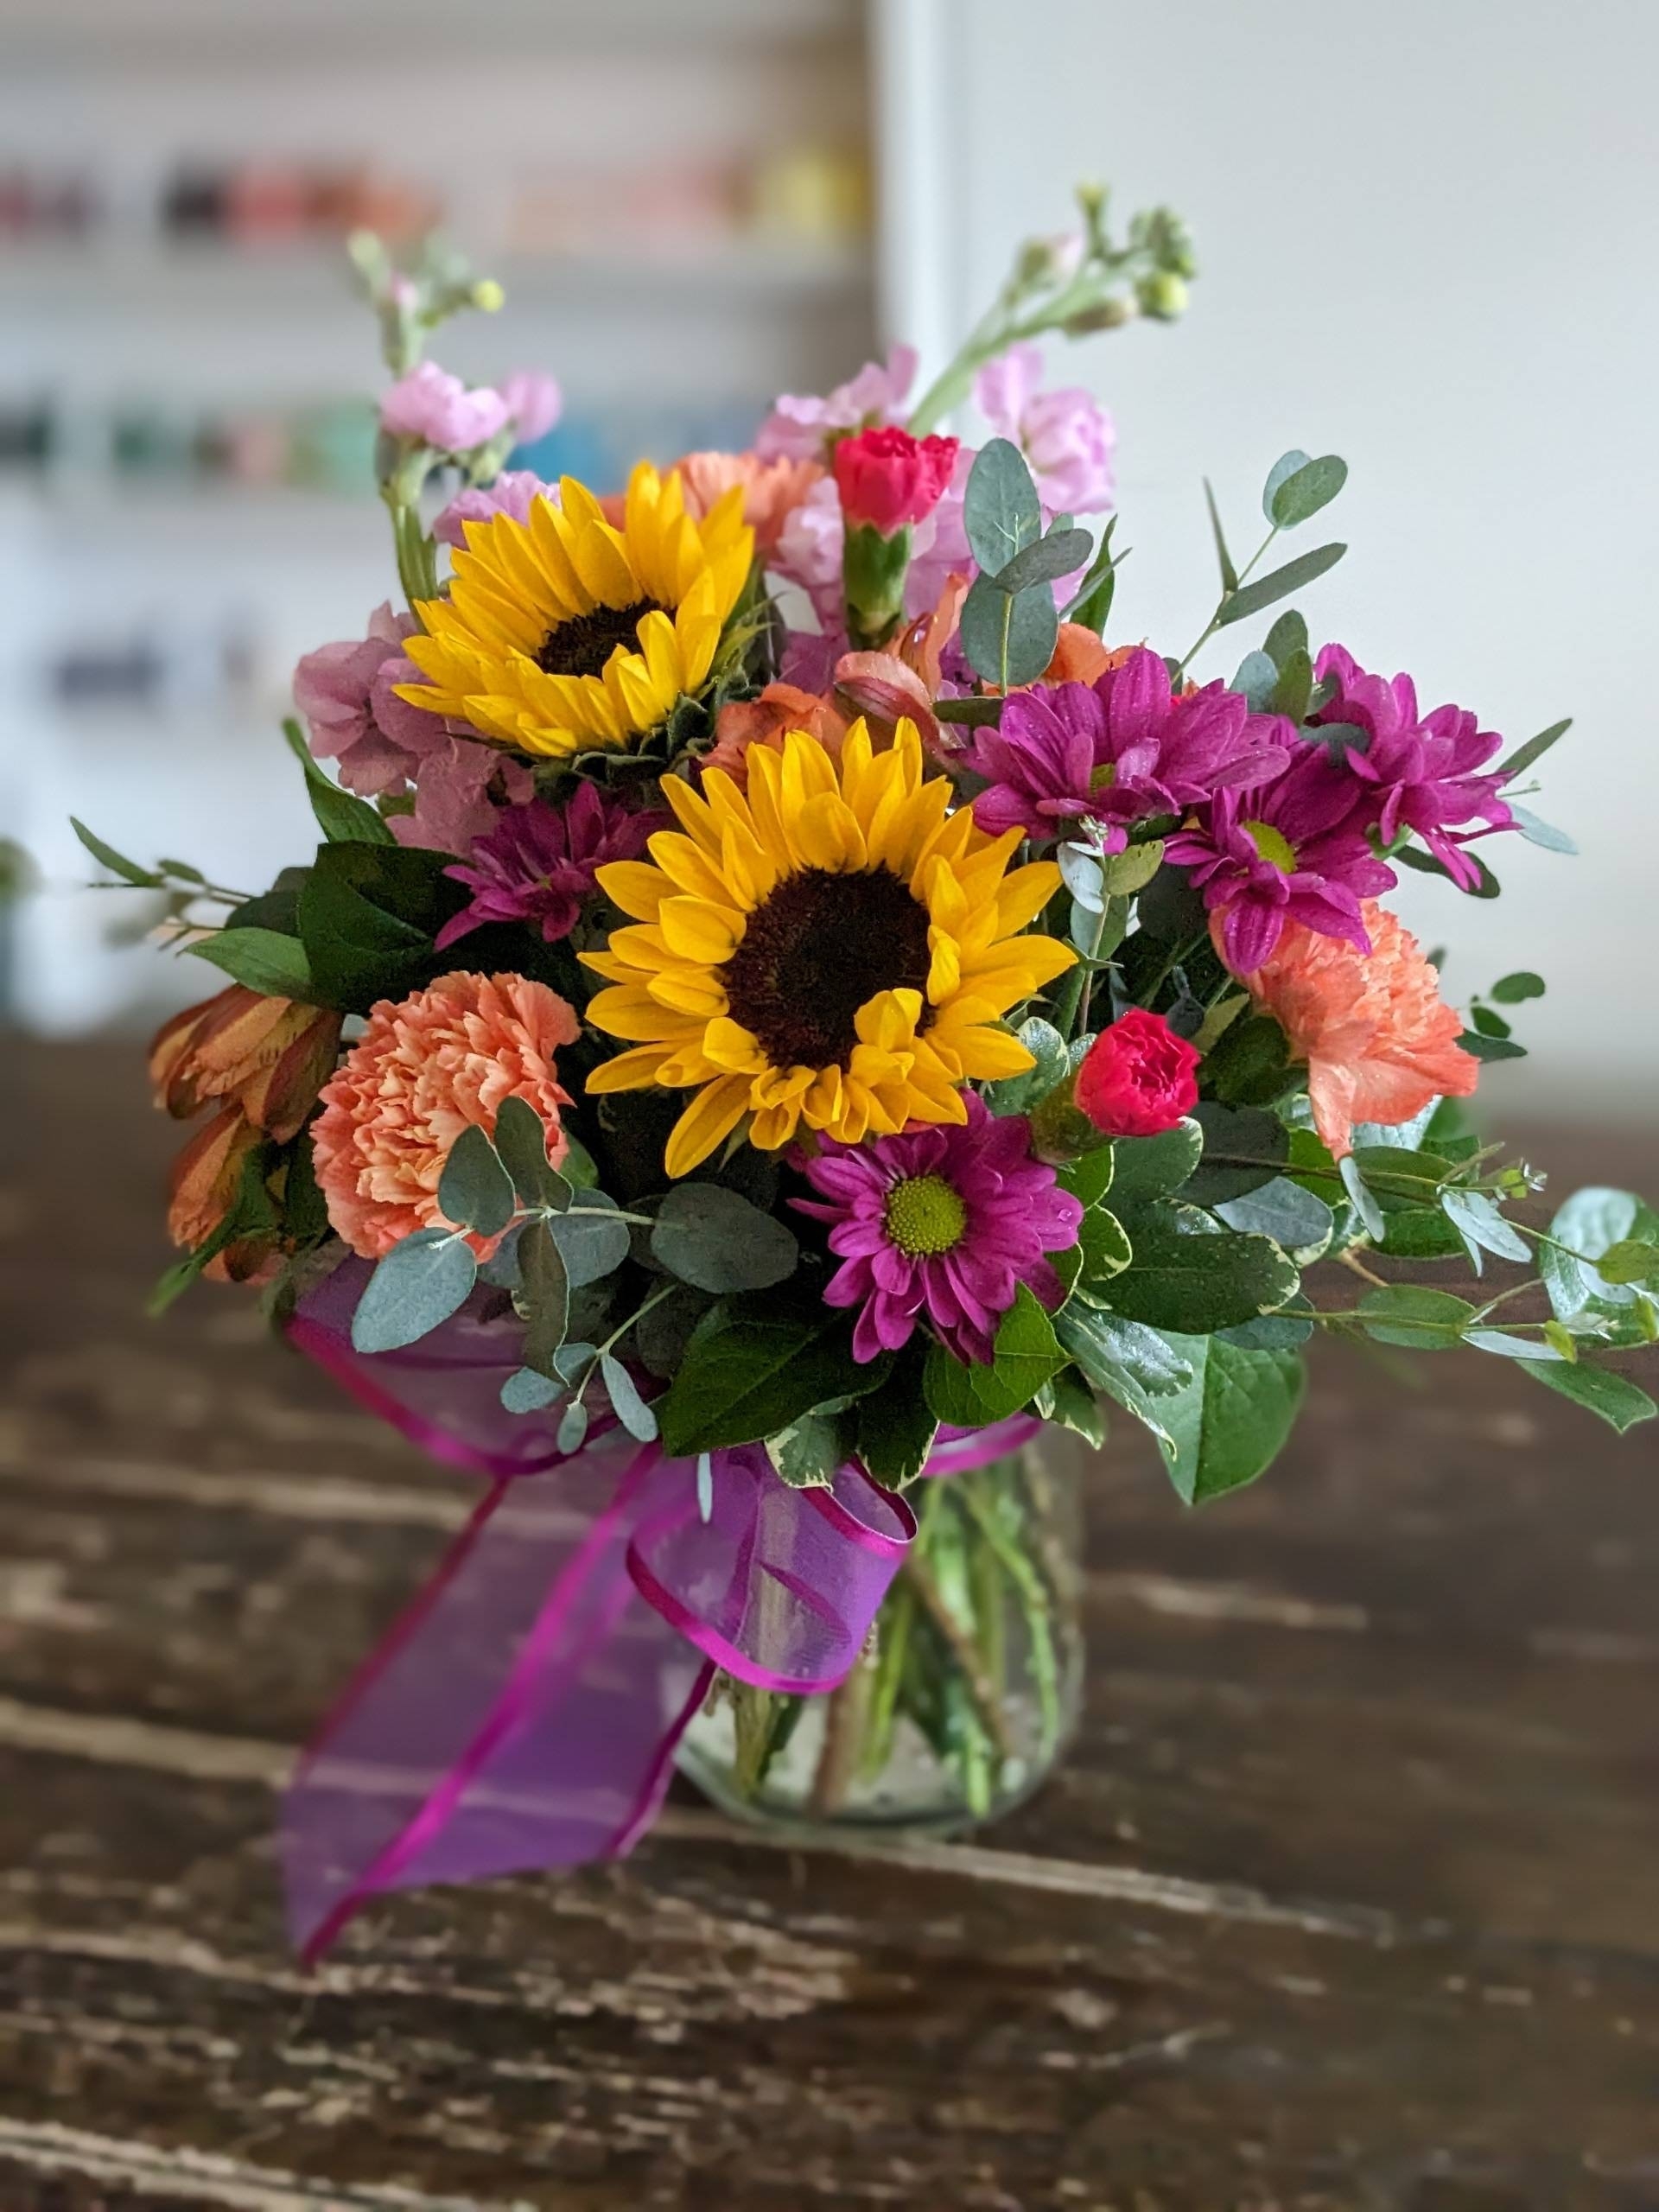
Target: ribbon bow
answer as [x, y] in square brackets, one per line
[524, 1712]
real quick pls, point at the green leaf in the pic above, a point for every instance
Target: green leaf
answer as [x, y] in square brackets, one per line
[711, 1238]
[1294, 494]
[1284, 467]
[1593, 1222]
[1060, 554]
[1081, 874]
[1361, 1197]
[1250, 1063]
[1293, 693]
[1144, 1168]
[1093, 603]
[1137, 1368]
[524, 1391]
[1632, 1259]
[572, 1428]
[368, 914]
[1509, 1347]
[1123, 874]
[545, 1294]
[1250, 598]
[1195, 1285]
[1224, 558]
[1480, 1046]
[1475, 1215]
[807, 1454]
[521, 1142]
[592, 1245]
[1425, 863]
[1106, 1252]
[1015, 1093]
[1509, 990]
[897, 1427]
[1287, 639]
[630, 1409]
[1534, 749]
[419, 1283]
[141, 879]
[1256, 679]
[1422, 1320]
[1009, 639]
[1231, 1134]
[1270, 1332]
[1075, 1407]
[1027, 1354]
[1615, 1397]
[753, 1366]
[1297, 1221]
[475, 1190]
[342, 818]
[261, 959]
[1538, 832]
[1089, 1180]
[1232, 1420]
[1001, 512]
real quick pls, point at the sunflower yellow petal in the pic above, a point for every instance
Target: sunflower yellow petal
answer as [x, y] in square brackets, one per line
[706, 1122]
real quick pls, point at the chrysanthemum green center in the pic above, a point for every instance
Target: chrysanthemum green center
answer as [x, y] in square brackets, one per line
[1104, 777]
[1273, 845]
[819, 947]
[924, 1216]
[582, 645]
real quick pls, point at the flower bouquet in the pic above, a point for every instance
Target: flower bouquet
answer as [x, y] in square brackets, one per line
[786, 1020]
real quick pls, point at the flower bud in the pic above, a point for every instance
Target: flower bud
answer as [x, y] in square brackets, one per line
[1162, 295]
[1105, 314]
[488, 297]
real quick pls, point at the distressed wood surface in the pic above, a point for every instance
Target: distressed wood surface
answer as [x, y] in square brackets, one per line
[1348, 1898]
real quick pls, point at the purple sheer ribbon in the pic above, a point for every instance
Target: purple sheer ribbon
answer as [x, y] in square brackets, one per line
[524, 1713]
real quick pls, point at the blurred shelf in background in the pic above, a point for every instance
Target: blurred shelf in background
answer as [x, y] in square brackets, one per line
[675, 195]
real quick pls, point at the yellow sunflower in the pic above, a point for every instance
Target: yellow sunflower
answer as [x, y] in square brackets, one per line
[835, 949]
[564, 634]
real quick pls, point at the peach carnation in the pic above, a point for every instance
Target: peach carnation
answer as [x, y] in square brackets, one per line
[771, 489]
[1379, 1043]
[420, 1072]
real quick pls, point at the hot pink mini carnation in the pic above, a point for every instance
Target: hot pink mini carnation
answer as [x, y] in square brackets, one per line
[420, 1072]
[942, 1222]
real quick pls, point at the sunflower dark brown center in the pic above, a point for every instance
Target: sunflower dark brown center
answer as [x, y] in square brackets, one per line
[583, 644]
[814, 952]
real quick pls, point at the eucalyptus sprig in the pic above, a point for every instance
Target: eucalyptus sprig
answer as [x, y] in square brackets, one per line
[1071, 285]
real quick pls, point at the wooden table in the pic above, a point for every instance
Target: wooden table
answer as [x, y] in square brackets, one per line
[1348, 1898]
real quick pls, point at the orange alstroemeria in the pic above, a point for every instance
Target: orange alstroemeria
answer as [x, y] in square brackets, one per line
[270, 1056]
[205, 1180]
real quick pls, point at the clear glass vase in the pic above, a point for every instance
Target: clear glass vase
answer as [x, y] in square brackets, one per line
[968, 1687]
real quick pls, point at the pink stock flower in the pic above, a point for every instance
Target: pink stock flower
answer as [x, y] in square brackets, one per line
[459, 789]
[537, 863]
[438, 409]
[512, 493]
[887, 479]
[1067, 437]
[801, 428]
[353, 716]
[940, 1224]
[534, 401]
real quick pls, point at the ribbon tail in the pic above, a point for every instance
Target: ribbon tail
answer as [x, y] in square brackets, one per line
[523, 1715]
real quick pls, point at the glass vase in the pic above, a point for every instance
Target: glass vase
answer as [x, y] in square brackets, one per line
[970, 1684]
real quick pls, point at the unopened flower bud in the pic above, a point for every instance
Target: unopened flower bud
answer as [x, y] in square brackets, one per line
[1162, 295]
[1105, 314]
[488, 297]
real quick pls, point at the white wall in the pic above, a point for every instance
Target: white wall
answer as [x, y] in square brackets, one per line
[1427, 236]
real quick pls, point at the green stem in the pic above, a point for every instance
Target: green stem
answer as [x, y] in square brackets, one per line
[1214, 624]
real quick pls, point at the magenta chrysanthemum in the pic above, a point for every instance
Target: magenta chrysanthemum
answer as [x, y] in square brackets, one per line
[537, 863]
[1118, 752]
[941, 1223]
[1290, 850]
[1421, 768]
